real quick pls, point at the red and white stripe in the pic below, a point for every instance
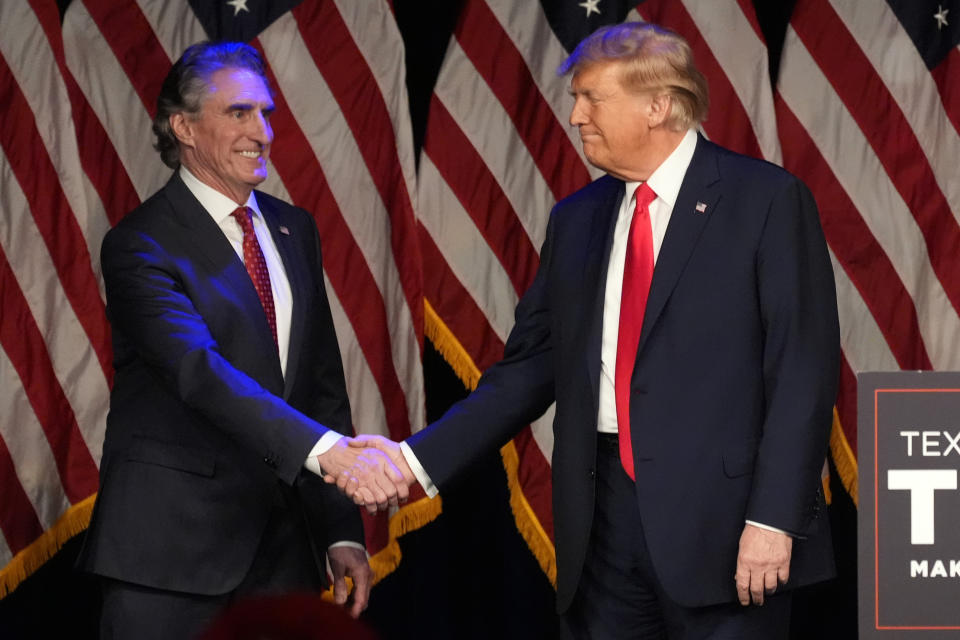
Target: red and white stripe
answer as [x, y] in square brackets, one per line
[76, 155]
[499, 153]
[729, 49]
[54, 345]
[875, 137]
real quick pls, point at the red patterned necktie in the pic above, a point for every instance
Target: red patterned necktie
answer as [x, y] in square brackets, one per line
[256, 266]
[637, 274]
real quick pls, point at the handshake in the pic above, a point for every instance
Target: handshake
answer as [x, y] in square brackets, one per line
[370, 470]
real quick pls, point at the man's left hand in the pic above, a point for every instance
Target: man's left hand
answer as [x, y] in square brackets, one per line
[351, 561]
[763, 563]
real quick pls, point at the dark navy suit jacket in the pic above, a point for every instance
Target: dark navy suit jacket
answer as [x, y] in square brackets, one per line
[732, 389]
[205, 436]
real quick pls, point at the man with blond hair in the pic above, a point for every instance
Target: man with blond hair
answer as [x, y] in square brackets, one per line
[684, 321]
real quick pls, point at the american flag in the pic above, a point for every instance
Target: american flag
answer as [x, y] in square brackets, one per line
[868, 111]
[863, 112]
[75, 156]
[498, 153]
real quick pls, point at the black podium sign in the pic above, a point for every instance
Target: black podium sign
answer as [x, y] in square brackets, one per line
[909, 504]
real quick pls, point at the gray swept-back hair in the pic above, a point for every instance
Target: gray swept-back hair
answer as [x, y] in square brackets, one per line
[188, 83]
[651, 58]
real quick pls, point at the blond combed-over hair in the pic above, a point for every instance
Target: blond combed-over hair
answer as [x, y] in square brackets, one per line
[652, 59]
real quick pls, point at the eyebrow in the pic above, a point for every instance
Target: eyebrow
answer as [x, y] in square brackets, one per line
[249, 106]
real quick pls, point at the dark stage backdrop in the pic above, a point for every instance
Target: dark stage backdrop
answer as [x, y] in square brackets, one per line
[468, 574]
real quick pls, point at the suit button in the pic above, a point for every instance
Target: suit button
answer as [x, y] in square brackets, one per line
[592, 473]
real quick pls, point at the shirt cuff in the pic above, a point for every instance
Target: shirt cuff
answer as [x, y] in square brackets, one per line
[418, 471]
[347, 543]
[769, 528]
[323, 445]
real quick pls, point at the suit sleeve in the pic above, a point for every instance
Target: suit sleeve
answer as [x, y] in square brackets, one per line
[157, 321]
[511, 394]
[800, 362]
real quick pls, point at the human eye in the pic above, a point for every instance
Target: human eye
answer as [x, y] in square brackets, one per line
[238, 111]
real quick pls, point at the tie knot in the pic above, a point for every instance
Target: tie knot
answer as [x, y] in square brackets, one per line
[244, 217]
[644, 195]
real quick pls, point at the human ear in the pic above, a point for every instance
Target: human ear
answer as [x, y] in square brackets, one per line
[182, 128]
[658, 109]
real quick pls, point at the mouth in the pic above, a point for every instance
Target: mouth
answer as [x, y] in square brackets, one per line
[253, 155]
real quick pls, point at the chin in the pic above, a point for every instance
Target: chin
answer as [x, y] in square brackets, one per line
[594, 160]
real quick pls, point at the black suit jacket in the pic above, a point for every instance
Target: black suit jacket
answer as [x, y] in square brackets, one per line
[732, 389]
[205, 435]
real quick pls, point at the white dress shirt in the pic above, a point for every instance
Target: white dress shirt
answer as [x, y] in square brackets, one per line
[220, 208]
[665, 182]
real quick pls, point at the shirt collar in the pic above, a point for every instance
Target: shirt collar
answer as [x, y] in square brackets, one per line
[667, 178]
[216, 204]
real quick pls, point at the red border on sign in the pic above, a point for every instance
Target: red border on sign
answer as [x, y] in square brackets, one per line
[876, 516]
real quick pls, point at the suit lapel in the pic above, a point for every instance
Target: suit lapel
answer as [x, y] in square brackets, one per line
[293, 265]
[215, 253]
[604, 218]
[696, 203]
[203, 233]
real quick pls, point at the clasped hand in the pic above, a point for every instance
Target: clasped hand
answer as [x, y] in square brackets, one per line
[371, 470]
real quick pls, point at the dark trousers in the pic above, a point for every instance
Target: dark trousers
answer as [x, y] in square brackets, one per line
[619, 596]
[284, 562]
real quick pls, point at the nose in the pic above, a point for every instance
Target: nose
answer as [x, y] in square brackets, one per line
[578, 115]
[260, 129]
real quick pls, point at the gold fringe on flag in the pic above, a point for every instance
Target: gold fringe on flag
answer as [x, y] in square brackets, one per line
[527, 523]
[825, 482]
[526, 520]
[407, 518]
[31, 558]
[450, 348]
[843, 457]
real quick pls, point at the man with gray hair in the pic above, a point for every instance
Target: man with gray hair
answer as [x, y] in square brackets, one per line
[683, 318]
[229, 390]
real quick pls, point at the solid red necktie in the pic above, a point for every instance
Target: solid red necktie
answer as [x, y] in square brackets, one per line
[637, 274]
[256, 266]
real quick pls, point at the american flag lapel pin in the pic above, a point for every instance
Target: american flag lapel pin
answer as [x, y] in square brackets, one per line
[701, 207]
[284, 230]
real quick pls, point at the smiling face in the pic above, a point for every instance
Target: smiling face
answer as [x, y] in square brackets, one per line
[615, 124]
[227, 144]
